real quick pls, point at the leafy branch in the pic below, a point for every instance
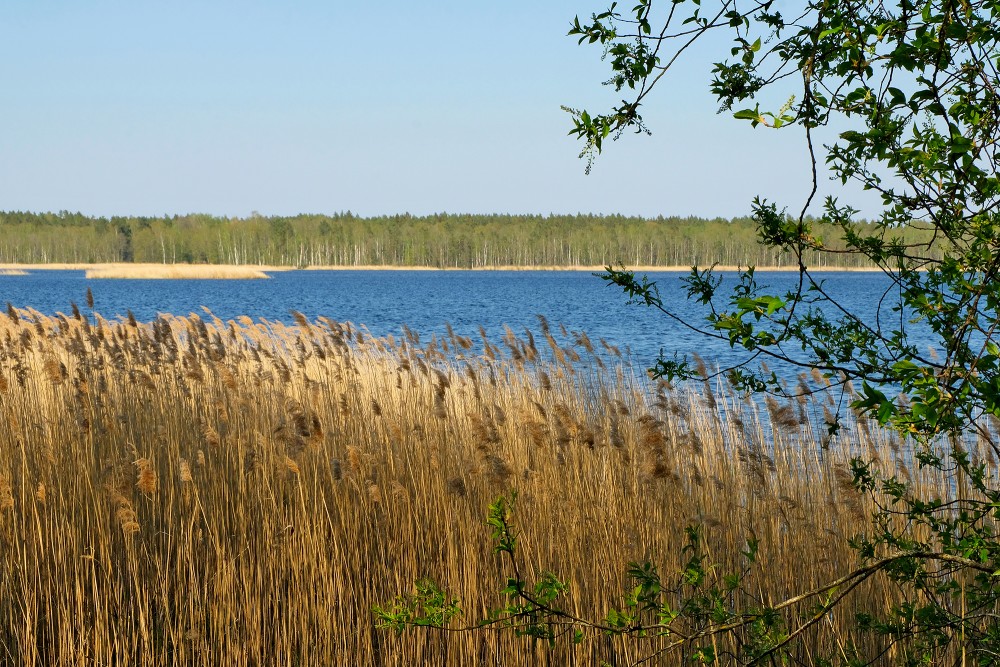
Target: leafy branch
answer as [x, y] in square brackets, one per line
[701, 604]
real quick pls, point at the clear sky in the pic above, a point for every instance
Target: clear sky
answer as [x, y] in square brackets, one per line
[293, 106]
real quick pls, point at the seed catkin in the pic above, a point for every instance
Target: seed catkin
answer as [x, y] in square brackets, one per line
[6, 494]
[146, 476]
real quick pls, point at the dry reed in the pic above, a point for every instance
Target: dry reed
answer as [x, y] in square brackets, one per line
[176, 272]
[192, 491]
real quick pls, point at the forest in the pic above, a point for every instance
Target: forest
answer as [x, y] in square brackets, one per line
[440, 240]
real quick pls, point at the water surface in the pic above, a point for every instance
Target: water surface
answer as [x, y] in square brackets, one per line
[426, 301]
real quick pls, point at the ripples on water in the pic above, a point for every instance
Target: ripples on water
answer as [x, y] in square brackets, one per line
[427, 301]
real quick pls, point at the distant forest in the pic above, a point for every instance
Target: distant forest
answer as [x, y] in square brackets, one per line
[441, 240]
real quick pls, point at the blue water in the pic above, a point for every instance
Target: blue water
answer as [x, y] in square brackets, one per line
[425, 301]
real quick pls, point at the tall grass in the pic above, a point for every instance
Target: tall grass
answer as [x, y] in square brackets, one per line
[193, 491]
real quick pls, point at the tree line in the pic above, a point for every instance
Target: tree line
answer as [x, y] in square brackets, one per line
[440, 240]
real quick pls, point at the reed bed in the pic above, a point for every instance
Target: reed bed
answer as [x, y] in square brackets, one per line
[199, 492]
[177, 272]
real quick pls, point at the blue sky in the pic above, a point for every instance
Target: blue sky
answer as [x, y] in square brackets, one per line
[224, 107]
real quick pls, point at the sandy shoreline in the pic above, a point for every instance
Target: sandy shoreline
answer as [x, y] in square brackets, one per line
[193, 270]
[101, 266]
[589, 269]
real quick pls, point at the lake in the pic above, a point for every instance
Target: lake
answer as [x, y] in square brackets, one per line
[426, 301]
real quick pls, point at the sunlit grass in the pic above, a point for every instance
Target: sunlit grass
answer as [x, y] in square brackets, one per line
[193, 491]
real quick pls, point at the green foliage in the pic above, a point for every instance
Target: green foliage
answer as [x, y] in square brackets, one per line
[684, 613]
[427, 606]
[912, 90]
[441, 240]
[701, 601]
[919, 87]
[915, 86]
[951, 564]
[533, 609]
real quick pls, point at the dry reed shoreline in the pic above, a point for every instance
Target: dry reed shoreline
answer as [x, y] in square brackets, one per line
[122, 269]
[177, 272]
[204, 492]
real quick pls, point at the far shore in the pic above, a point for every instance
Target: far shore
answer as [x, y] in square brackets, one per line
[83, 266]
[149, 270]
